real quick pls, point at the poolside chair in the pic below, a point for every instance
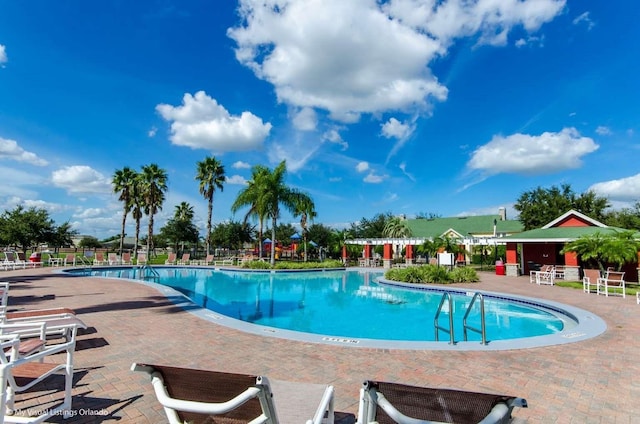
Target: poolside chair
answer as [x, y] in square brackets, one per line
[142, 259]
[387, 403]
[199, 396]
[99, 259]
[546, 277]
[58, 321]
[113, 259]
[126, 259]
[185, 259]
[171, 259]
[70, 259]
[613, 281]
[19, 374]
[590, 280]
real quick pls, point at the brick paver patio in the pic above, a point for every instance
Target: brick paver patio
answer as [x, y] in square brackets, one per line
[593, 381]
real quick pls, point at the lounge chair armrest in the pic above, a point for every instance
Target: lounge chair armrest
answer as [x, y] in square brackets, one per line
[326, 404]
[191, 406]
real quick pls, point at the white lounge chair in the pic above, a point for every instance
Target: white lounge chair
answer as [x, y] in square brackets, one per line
[612, 282]
[546, 277]
[99, 259]
[185, 259]
[200, 396]
[590, 280]
[399, 403]
[21, 373]
[171, 259]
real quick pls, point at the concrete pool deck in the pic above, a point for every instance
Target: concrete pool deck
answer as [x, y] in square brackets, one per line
[593, 381]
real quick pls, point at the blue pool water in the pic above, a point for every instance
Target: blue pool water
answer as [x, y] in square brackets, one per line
[346, 304]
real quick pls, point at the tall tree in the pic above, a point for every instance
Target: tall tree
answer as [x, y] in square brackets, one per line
[210, 174]
[541, 206]
[153, 184]
[123, 182]
[277, 194]
[252, 196]
[305, 209]
[137, 210]
[396, 227]
[180, 228]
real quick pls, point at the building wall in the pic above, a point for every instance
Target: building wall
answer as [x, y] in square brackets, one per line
[541, 253]
[573, 221]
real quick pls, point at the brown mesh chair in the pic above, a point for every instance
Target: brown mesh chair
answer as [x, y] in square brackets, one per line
[203, 396]
[391, 403]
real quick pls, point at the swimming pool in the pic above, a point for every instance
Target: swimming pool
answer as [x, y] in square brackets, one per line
[352, 308]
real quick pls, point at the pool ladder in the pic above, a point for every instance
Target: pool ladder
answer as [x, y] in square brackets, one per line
[147, 272]
[446, 297]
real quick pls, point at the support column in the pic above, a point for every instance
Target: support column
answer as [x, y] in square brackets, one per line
[571, 267]
[512, 265]
[409, 254]
[386, 258]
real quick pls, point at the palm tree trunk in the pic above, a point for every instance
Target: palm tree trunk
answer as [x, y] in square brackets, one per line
[124, 221]
[209, 218]
[150, 234]
[273, 241]
[135, 246]
[260, 234]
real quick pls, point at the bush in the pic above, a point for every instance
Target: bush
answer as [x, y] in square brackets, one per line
[464, 275]
[293, 265]
[432, 274]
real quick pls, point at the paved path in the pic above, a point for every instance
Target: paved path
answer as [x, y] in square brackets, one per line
[595, 381]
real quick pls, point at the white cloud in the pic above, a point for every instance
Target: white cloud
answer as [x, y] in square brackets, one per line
[305, 119]
[9, 149]
[362, 166]
[296, 153]
[530, 40]
[373, 178]
[367, 56]
[528, 154]
[335, 179]
[396, 129]
[201, 123]
[152, 132]
[333, 136]
[89, 213]
[602, 130]
[624, 189]
[81, 179]
[3, 55]
[237, 179]
[403, 168]
[584, 18]
[240, 165]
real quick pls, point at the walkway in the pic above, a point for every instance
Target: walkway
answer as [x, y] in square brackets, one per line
[596, 381]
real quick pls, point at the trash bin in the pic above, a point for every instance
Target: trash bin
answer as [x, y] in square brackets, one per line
[500, 268]
[35, 257]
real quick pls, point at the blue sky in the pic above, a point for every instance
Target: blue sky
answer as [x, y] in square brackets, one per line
[401, 106]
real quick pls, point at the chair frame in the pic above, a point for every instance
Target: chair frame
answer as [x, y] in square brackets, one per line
[587, 283]
[34, 369]
[546, 277]
[612, 280]
[260, 390]
[371, 398]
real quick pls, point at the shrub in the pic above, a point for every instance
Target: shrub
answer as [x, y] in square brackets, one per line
[464, 275]
[432, 274]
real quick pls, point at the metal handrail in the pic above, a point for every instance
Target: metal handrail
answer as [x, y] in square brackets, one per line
[446, 296]
[483, 327]
[150, 270]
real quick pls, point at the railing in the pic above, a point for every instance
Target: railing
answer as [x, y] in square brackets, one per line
[148, 272]
[445, 297]
[482, 331]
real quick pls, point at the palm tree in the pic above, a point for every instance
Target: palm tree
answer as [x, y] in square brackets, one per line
[210, 174]
[305, 209]
[396, 227]
[617, 248]
[251, 196]
[153, 187]
[183, 212]
[137, 208]
[277, 193]
[123, 182]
